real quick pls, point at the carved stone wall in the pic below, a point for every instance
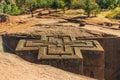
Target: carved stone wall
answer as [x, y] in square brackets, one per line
[93, 63]
[78, 56]
[71, 65]
[112, 56]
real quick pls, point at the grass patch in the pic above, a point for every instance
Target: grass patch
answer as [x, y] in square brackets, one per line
[114, 14]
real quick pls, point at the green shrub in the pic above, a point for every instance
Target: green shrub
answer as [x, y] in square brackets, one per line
[11, 9]
[91, 7]
[1, 8]
[7, 9]
[14, 10]
[58, 4]
[114, 14]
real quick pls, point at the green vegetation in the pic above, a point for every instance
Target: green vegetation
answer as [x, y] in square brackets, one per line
[91, 7]
[31, 4]
[115, 14]
[9, 8]
[108, 4]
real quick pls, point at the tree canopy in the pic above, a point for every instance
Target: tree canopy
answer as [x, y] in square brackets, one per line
[15, 7]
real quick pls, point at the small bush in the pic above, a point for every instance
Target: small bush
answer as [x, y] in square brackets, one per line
[7, 9]
[1, 8]
[14, 10]
[114, 14]
[11, 9]
[91, 7]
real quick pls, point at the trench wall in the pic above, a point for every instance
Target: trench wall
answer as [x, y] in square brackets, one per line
[112, 57]
[93, 64]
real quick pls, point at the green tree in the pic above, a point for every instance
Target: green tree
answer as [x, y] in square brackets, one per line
[30, 4]
[90, 6]
[108, 4]
[11, 9]
[62, 5]
[1, 8]
[115, 13]
[14, 10]
[76, 3]
[20, 3]
[58, 4]
[7, 9]
[8, 1]
[44, 3]
[68, 3]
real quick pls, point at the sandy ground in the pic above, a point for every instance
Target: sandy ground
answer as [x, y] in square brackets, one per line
[14, 68]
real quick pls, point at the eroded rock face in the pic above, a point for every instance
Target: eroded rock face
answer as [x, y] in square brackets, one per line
[3, 18]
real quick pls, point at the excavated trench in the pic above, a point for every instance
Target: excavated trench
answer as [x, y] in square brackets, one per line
[110, 44]
[10, 41]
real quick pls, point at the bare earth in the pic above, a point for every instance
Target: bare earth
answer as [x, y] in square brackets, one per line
[58, 26]
[46, 27]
